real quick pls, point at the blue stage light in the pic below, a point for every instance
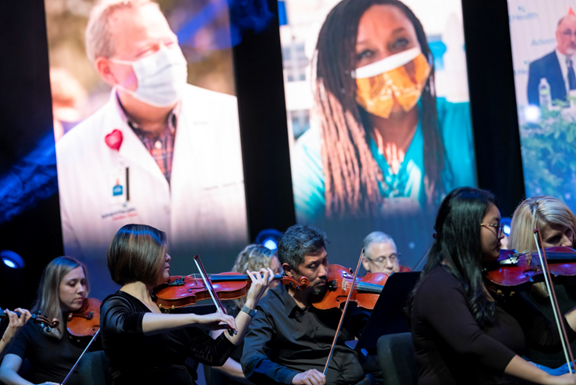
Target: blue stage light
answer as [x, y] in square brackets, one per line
[269, 238]
[9, 263]
[11, 259]
[270, 244]
[506, 226]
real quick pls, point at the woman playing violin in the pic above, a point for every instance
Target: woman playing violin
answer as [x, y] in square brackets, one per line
[253, 257]
[145, 346]
[51, 351]
[461, 334]
[557, 224]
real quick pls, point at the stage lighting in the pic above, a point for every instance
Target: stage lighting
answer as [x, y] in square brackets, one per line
[506, 226]
[11, 259]
[269, 238]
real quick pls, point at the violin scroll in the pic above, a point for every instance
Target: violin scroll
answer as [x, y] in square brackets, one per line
[300, 284]
[44, 322]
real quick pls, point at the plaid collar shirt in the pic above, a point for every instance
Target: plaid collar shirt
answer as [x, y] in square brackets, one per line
[159, 145]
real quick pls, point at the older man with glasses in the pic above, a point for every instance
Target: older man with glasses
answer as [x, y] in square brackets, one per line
[381, 254]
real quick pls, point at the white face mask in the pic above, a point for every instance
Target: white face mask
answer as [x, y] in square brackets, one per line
[161, 77]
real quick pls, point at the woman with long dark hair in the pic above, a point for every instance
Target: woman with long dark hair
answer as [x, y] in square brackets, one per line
[380, 137]
[461, 334]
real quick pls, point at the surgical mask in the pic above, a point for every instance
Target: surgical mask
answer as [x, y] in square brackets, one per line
[161, 77]
[402, 76]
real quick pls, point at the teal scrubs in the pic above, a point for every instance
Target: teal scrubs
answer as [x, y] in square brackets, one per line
[408, 185]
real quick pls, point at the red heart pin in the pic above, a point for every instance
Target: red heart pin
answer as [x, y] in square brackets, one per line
[114, 139]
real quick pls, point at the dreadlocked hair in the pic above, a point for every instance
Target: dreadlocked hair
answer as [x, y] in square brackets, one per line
[352, 176]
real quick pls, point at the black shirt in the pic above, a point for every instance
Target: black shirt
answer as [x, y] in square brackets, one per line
[452, 349]
[157, 358]
[50, 358]
[285, 340]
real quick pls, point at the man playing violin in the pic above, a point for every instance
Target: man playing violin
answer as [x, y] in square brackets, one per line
[289, 340]
[381, 254]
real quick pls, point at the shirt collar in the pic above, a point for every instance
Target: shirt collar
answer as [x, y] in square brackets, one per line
[289, 302]
[172, 117]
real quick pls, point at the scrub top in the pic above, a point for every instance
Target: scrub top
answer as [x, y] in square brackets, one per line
[407, 187]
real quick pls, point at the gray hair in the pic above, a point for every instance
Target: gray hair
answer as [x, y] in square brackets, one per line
[377, 237]
[98, 40]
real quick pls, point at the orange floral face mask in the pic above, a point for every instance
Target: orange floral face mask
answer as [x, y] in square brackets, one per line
[401, 76]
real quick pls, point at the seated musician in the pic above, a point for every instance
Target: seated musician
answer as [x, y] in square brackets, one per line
[461, 334]
[289, 340]
[381, 255]
[145, 346]
[557, 224]
[14, 324]
[253, 257]
[51, 353]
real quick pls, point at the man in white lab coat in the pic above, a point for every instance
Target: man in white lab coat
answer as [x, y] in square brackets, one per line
[159, 152]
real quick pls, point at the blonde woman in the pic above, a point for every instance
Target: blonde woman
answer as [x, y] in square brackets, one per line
[554, 219]
[63, 288]
[557, 224]
[253, 257]
[145, 346]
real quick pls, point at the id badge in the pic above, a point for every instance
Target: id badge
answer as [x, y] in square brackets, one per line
[118, 189]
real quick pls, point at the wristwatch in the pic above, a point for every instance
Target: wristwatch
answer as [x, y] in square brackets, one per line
[250, 312]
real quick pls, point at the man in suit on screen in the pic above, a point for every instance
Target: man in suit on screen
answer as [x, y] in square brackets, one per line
[557, 67]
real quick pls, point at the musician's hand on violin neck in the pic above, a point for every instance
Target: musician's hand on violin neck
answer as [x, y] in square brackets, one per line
[260, 282]
[309, 377]
[15, 323]
[215, 321]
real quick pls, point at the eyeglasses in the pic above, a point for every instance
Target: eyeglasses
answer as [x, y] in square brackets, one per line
[382, 260]
[498, 226]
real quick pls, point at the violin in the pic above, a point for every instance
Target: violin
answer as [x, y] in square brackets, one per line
[85, 322]
[340, 280]
[44, 322]
[181, 291]
[514, 271]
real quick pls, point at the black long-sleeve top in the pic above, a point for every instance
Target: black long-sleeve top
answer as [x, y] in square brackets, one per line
[450, 346]
[153, 359]
[285, 340]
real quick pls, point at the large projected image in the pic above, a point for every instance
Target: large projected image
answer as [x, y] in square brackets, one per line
[378, 109]
[147, 128]
[543, 38]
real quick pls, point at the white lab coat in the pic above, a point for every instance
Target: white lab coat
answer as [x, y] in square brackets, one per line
[203, 207]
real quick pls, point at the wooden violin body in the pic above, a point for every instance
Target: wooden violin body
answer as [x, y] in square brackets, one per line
[514, 271]
[85, 321]
[365, 294]
[181, 291]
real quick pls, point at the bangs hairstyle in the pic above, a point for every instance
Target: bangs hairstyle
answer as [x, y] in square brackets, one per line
[99, 42]
[352, 175]
[48, 297]
[253, 258]
[458, 244]
[537, 212]
[299, 241]
[137, 253]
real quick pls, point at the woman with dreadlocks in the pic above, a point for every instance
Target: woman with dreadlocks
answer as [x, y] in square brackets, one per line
[380, 131]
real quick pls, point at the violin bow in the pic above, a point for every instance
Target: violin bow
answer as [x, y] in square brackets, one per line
[343, 314]
[79, 358]
[210, 289]
[553, 299]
